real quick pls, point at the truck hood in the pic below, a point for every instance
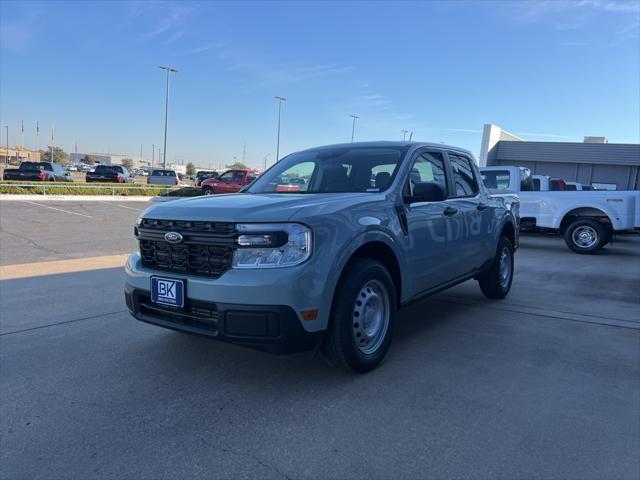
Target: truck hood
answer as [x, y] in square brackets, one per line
[247, 207]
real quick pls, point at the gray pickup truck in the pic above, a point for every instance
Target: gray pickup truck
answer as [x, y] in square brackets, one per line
[322, 250]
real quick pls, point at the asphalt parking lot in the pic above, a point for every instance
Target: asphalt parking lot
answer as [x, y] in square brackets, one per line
[36, 231]
[544, 384]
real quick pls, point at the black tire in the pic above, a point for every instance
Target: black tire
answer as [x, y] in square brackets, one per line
[208, 191]
[494, 283]
[344, 344]
[586, 236]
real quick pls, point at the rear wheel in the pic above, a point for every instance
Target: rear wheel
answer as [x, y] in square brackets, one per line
[496, 282]
[362, 319]
[586, 236]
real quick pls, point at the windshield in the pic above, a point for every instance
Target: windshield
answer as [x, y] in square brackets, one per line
[35, 166]
[343, 169]
[106, 169]
[163, 173]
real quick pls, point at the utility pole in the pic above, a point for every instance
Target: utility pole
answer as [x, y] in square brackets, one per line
[22, 139]
[280, 99]
[153, 153]
[353, 126]
[169, 70]
[404, 134]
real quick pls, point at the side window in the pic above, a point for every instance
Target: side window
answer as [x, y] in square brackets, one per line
[526, 182]
[226, 176]
[237, 177]
[428, 167]
[464, 179]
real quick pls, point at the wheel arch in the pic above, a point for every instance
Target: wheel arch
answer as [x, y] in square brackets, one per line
[509, 230]
[590, 212]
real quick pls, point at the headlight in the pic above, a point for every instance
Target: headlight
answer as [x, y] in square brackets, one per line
[269, 245]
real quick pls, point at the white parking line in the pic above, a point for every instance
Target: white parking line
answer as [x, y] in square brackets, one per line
[122, 206]
[58, 209]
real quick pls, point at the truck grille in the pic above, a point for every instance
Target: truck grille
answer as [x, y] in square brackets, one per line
[206, 250]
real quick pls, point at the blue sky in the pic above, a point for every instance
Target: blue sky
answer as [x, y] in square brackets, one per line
[547, 70]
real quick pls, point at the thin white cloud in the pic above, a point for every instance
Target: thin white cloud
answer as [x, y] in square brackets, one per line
[573, 44]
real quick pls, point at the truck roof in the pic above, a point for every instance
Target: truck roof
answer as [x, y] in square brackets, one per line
[393, 144]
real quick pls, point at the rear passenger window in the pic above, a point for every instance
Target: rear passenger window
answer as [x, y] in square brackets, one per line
[428, 167]
[464, 180]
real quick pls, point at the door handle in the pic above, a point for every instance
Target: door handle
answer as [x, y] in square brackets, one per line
[482, 206]
[450, 211]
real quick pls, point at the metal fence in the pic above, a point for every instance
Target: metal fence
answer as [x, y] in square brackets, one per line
[109, 189]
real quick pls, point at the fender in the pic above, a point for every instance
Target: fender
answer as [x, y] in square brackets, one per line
[373, 233]
[557, 219]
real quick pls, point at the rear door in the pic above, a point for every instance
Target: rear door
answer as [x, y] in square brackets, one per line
[468, 229]
[427, 225]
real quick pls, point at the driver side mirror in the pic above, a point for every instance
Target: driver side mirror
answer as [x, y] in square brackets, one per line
[427, 192]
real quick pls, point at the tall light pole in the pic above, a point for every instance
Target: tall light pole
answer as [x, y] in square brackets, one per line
[153, 153]
[353, 126]
[265, 160]
[280, 99]
[6, 157]
[404, 134]
[169, 70]
[53, 129]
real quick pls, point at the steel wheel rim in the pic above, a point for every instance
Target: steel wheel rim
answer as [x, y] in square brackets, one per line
[585, 236]
[505, 267]
[371, 316]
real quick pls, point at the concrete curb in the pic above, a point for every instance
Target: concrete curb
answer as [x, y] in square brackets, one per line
[74, 198]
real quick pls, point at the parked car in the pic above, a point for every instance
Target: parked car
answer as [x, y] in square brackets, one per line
[588, 220]
[380, 225]
[72, 168]
[231, 181]
[202, 175]
[109, 174]
[38, 172]
[163, 177]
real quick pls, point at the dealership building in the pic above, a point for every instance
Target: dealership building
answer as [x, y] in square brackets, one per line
[595, 162]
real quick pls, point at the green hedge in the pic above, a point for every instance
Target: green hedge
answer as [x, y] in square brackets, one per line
[72, 189]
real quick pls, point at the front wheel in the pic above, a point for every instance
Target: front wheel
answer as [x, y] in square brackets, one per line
[496, 282]
[363, 316]
[208, 191]
[586, 236]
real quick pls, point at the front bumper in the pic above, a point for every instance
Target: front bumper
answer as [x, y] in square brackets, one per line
[272, 328]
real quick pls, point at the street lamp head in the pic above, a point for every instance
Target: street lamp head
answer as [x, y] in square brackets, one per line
[354, 116]
[279, 98]
[169, 69]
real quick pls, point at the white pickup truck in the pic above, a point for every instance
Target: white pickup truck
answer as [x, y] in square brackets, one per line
[587, 219]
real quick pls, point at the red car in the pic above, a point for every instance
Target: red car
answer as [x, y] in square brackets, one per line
[230, 181]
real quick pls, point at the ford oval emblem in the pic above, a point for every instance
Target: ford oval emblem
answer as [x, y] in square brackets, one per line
[173, 237]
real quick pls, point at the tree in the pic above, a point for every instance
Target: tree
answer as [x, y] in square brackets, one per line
[59, 156]
[127, 163]
[238, 166]
[89, 159]
[191, 169]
